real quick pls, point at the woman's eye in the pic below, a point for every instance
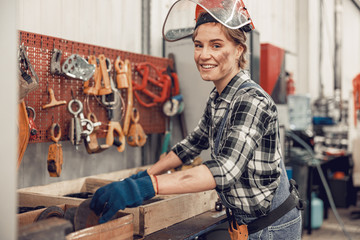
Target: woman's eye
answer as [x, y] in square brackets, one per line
[216, 46]
[197, 45]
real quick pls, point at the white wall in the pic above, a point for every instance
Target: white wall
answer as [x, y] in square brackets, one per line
[111, 23]
[8, 103]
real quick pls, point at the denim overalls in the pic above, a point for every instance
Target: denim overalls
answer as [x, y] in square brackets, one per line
[287, 227]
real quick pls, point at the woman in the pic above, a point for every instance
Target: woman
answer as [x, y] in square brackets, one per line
[240, 125]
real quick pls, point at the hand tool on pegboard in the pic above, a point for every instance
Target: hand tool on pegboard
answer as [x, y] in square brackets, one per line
[161, 82]
[32, 126]
[130, 100]
[93, 146]
[27, 82]
[113, 105]
[77, 67]
[80, 127]
[136, 136]
[104, 68]
[94, 90]
[55, 64]
[53, 102]
[55, 153]
[121, 69]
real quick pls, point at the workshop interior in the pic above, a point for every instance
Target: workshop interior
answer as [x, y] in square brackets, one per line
[93, 94]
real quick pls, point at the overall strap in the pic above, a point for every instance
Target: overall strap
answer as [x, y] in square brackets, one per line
[223, 121]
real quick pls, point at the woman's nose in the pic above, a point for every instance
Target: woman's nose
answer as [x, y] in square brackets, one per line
[205, 53]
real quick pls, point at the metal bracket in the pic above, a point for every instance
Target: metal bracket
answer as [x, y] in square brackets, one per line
[77, 67]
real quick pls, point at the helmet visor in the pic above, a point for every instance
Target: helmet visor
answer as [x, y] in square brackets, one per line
[183, 14]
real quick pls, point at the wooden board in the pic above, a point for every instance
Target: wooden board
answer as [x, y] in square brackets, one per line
[121, 228]
[155, 214]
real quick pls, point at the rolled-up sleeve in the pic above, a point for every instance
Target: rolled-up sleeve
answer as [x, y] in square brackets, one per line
[195, 142]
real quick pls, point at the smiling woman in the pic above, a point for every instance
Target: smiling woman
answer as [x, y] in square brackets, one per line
[219, 52]
[239, 125]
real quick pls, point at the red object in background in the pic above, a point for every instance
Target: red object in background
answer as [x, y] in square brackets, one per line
[272, 72]
[290, 85]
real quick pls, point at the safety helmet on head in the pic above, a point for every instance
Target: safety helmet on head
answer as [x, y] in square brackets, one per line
[180, 23]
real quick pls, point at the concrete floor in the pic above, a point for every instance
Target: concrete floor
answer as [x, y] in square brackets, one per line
[332, 230]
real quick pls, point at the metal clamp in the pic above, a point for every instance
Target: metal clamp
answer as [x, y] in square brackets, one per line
[77, 67]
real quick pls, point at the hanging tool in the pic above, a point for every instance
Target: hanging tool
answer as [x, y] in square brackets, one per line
[23, 131]
[113, 106]
[122, 69]
[55, 66]
[94, 90]
[130, 101]
[136, 136]
[53, 102]
[55, 154]
[93, 146]
[27, 83]
[77, 67]
[356, 96]
[162, 81]
[32, 126]
[80, 127]
[105, 65]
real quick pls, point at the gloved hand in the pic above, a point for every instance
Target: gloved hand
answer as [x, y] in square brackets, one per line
[140, 174]
[118, 195]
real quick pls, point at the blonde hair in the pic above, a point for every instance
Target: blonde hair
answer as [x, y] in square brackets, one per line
[238, 36]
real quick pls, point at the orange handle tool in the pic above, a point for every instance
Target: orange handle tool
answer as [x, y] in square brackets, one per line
[97, 78]
[136, 136]
[53, 101]
[106, 89]
[115, 127]
[93, 146]
[130, 100]
[121, 73]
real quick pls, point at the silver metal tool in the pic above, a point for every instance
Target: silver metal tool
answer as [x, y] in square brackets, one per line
[77, 67]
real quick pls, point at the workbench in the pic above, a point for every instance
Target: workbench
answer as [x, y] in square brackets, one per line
[190, 228]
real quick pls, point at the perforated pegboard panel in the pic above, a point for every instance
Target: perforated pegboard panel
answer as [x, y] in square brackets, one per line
[39, 49]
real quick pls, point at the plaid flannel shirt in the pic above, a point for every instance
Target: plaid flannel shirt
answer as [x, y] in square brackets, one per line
[246, 169]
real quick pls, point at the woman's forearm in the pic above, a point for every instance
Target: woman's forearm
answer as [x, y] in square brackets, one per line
[165, 163]
[196, 179]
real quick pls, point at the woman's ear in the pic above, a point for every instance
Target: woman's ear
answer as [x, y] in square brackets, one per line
[240, 51]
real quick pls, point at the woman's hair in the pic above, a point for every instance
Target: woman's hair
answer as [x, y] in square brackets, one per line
[238, 36]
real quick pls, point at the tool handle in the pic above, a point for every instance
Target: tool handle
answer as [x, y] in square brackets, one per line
[53, 101]
[52, 132]
[115, 127]
[105, 76]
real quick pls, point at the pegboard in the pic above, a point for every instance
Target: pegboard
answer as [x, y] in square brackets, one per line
[39, 49]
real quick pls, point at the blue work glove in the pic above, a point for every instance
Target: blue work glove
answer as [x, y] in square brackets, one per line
[139, 174]
[119, 195]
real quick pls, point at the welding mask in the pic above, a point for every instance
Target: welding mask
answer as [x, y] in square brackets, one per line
[183, 15]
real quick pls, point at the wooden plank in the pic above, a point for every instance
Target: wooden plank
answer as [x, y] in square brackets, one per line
[167, 212]
[120, 228]
[93, 184]
[159, 212]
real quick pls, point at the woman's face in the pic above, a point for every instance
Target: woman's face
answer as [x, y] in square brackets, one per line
[216, 56]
